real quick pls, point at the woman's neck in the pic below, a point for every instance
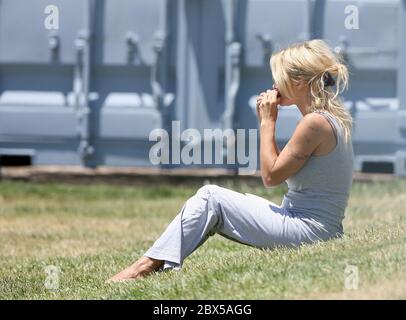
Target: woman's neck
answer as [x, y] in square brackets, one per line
[303, 106]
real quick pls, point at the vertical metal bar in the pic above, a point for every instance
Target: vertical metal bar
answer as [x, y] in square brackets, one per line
[232, 72]
[401, 75]
[228, 10]
[165, 62]
[82, 83]
[307, 33]
[183, 82]
[400, 168]
[317, 17]
[1, 84]
[158, 65]
[400, 161]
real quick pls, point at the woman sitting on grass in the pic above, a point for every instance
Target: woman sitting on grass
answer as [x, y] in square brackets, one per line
[316, 163]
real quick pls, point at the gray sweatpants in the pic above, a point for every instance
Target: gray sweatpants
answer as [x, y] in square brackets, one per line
[244, 218]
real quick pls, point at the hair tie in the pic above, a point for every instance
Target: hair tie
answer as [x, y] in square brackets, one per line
[328, 80]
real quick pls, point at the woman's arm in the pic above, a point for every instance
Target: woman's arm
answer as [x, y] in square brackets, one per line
[269, 150]
[277, 166]
[267, 112]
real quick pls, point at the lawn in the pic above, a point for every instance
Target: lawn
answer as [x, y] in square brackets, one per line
[90, 232]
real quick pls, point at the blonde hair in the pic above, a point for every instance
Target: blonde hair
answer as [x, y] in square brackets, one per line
[316, 64]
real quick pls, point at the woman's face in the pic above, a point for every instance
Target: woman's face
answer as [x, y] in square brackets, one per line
[284, 101]
[298, 90]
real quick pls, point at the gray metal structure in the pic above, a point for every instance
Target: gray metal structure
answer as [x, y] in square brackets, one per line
[90, 92]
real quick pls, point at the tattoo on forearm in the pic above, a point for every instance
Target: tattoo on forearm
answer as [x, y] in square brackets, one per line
[298, 155]
[307, 139]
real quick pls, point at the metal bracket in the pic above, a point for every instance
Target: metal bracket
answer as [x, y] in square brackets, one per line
[85, 149]
[54, 45]
[342, 48]
[266, 42]
[157, 90]
[132, 41]
[234, 53]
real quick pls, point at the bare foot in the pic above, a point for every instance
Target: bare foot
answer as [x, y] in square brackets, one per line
[143, 267]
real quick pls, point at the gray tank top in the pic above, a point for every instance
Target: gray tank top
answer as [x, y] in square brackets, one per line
[320, 189]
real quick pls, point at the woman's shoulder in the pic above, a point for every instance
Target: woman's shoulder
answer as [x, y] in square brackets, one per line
[323, 125]
[316, 121]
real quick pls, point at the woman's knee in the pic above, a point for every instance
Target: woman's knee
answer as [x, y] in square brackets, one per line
[210, 194]
[208, 191]
[199, 203]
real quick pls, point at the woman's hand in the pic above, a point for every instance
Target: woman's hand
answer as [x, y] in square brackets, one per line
[267, 105]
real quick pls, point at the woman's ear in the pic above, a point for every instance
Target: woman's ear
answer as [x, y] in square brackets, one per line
[301, 85]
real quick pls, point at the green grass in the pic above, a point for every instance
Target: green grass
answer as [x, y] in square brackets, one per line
[91, 232]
